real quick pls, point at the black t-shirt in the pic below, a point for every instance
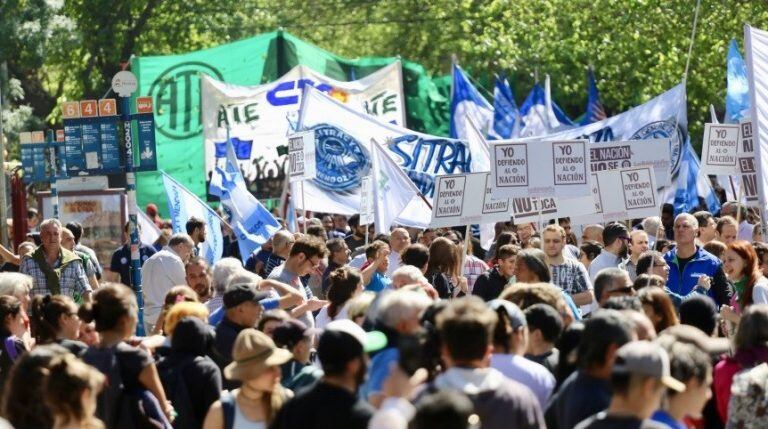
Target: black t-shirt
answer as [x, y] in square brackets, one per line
[489, 285]
[77, 348]
[579, 397]
[132, 361]
[548, 359]
[606, 421]
[324, 406]
[226, 334]
[353, 243]
[8, 267]
[121, 261]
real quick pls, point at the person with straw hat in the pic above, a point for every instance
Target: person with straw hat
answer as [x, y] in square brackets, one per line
[256, 364]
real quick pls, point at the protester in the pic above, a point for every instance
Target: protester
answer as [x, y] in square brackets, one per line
[198, 277]
[295, 337]
[738, 211]
[11, 333]
[304, 258]
[340, 227]
[750, 286]
[444, 410]
[54, 269]
[510, 341]
[338, 256]
[77, 231]
[54, 319]
[416, 255]
[692, 367]
[70, 390]
[196, 230]
[751, 349]
[345, 283]
[397, 317]
[658, 307]
[22, 404]
[717, 248]
[271, 319]
[707, 227]
[587, 391]
[727, 230]
[374, 271]
[689, 262]
[263, 263]
[399, 240]
[612, 282]
[761, 249]
[223, 269]
[356, 239]
[593, 233]
[114, 310]
[180, 307]
[568, 274]
[615, 239]
[120, 265]
[638, 244]
[466, 330]
[68, 242]
[332, 401]
[161, 272]
[490, 285]
[700, 312]
[504, 238]
[638, 380]
[652, 263]
[442, 269]
[544, 328]
[11, 260]
[426, 237]
[256, 364]
[588, 251]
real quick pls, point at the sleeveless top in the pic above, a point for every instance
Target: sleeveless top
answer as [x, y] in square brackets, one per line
[241, 422]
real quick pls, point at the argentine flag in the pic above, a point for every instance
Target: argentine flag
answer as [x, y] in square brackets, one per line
[540, 115]
[737, 94]
[506, 116]
[467, 103]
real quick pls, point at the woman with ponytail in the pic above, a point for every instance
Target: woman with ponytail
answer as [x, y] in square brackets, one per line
[70, 392]
[54, 319]
[345, 283]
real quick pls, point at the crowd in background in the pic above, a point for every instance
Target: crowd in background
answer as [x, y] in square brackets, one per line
[654, 323]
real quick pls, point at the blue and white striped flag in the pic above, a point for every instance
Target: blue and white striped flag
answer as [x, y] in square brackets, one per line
[690, 185]
[595, 111]
[506, 116]
[182, 205]
[468, 104]
[251, 222]
[737, 94]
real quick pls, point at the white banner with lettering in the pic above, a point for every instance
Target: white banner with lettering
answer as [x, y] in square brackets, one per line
[258, 118]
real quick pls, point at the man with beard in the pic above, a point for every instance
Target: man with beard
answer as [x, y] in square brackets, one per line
[198, 277]
[332, 401]
[687, 262]
[616, 238]
[196, 230]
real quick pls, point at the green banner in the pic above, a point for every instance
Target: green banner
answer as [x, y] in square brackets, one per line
[173, 82]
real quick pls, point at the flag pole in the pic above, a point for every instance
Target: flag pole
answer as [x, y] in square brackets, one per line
[303, 207]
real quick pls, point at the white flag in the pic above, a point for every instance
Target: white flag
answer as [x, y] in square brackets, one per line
[148, 232]
[756, 45]
[393, 191]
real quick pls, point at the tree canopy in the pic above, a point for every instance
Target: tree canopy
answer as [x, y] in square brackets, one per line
[52, 50]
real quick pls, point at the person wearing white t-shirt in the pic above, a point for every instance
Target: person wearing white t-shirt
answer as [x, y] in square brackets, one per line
[161, 272]
[344, 284]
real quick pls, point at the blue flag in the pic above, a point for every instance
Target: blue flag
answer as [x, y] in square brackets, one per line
[595, 111]
[737, 95]
[690, 186]
[182, 205]
[251, 222]
[540, 115]
[505, 112]
[468, 105]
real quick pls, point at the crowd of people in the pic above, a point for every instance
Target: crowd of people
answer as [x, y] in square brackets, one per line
[654, 323]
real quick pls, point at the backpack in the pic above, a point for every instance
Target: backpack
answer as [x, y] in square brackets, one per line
[749, 399]
[228, 404]
[118, 407]
[172, 377]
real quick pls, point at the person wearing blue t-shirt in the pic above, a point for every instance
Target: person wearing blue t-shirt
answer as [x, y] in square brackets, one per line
[375, 269]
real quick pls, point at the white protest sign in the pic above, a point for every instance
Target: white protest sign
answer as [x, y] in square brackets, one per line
[719, 154]
[301, 156]
[746, 166]
[366, 201]
[629, 193]
[457, 202]
[532, 209]
[561, 169]
[633, 153]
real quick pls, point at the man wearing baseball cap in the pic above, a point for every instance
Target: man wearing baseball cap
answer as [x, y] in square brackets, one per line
[640, 375]
[242, 310]
[332, 402]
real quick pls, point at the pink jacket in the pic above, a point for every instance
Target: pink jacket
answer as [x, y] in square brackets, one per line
[727, 368]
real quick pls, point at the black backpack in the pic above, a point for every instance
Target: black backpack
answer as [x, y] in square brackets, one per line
[172, 377]
[118, 407]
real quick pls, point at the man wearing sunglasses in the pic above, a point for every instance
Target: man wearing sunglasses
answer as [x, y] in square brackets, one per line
[616, 239]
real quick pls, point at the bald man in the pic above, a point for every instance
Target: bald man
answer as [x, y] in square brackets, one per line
[399, 239]
[593, 233]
